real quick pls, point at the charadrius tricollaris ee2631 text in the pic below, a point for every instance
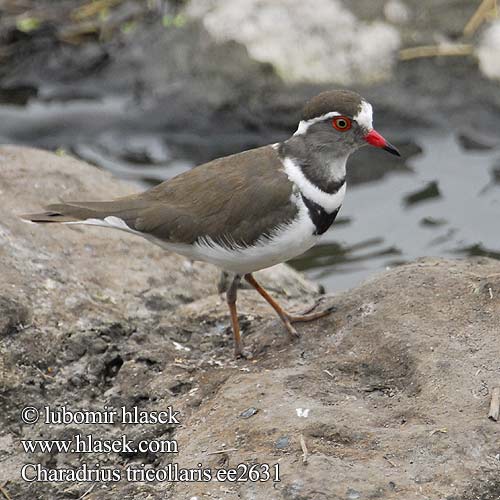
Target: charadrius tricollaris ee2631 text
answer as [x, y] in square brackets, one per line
[251, 210]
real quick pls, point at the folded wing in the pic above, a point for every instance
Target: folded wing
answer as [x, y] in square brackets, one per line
[236, 198]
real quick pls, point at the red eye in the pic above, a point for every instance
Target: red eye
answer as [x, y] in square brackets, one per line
[341, 123]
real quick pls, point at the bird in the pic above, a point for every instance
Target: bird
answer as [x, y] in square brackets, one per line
[250, 210]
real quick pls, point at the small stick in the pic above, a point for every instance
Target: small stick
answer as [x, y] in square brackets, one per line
[443, 430]
[494, 404]
[222, 451]
[329, 373]
[88, 492]
[485, 8]
[4, 492]
[93, 8]
[305, 453]
[458, 49]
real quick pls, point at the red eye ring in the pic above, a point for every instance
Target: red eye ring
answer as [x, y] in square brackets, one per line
[341, 123]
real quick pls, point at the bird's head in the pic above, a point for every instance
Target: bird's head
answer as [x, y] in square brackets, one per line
[340, 121]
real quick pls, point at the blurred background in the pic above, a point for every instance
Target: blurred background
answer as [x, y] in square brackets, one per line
[150, 88]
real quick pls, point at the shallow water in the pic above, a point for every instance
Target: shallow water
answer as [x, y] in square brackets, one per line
[447, 204]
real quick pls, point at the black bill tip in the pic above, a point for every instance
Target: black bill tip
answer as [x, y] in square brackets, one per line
[391, 149]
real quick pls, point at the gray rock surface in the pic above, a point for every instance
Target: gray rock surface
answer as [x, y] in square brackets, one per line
[390, 393]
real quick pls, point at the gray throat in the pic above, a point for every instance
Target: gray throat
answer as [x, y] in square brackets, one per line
[318, 163]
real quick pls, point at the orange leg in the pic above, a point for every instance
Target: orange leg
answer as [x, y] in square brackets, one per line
[286, 317]
[231, 302]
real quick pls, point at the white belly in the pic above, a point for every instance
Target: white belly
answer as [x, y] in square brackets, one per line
[284, 243]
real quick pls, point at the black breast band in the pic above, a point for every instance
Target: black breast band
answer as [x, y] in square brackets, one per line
[320, 217]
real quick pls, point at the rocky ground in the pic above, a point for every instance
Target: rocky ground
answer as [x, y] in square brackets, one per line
[389, 395]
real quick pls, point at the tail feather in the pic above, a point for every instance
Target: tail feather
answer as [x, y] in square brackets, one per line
[63, 212]
[47, 217]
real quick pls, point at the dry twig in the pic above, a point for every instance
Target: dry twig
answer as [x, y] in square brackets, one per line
[75, 32]
[390, 462]
[92, 9]
[443, 430]
[4, 492]
[487, 9]
[218, 452]
[305, 452]
[494, 404]
[458, 49]
[88, 492]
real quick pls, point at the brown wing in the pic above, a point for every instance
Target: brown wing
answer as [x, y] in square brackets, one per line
[236, 198]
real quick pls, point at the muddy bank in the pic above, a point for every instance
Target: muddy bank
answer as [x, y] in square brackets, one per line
[390, 394]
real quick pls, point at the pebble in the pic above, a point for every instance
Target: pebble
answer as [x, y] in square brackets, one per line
[250, 412]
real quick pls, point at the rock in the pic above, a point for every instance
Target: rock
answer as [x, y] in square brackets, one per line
[393, 395]
[282, 443]
[432, 222]
[488, 51]
[495, 173]
[13, 316]
[324, 44]
[429, 191]
[390, 393]
[249, 412]
[474, 141]
[396, 12]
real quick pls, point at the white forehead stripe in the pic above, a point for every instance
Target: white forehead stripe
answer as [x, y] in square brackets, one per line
[305, 124]
[365, 115]
[364, 118]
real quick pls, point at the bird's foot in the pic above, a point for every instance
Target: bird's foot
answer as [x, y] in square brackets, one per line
[308, 315]
[241, 353]
[314, 305]
[290, 329]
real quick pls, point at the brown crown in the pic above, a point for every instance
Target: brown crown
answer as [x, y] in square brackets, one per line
[342, 101]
